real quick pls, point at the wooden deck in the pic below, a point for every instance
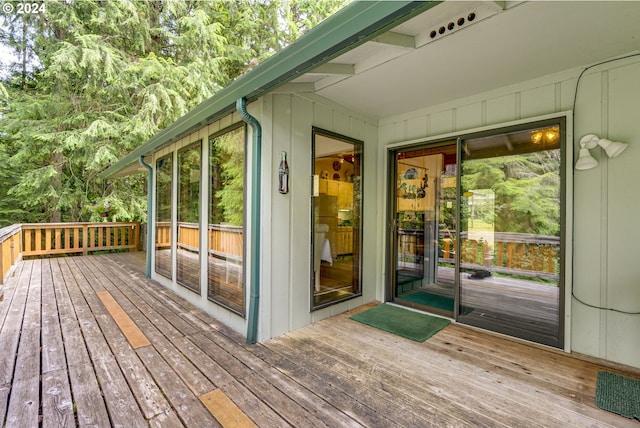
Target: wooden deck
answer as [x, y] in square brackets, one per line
[65, 361]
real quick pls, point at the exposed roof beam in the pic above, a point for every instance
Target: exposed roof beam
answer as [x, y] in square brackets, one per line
[295, 88]
[332, 68]
[396, 39]
[497, 5]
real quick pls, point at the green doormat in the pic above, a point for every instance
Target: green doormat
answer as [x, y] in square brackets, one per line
[618, 394]
[433, 300]
[402, 322]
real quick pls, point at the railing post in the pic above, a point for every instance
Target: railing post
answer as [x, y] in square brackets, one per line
[1, 269]
[136, 235]
[85, 239]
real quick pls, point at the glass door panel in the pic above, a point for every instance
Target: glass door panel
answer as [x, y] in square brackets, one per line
[337, 166]
[424, 228]
[510, 223]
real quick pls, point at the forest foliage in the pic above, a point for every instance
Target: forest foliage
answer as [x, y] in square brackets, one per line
[89, 81]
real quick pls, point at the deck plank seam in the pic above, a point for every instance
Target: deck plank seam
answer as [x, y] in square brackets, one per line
[352, 382]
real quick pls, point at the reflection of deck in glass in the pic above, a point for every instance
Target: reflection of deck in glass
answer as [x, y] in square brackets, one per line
[504, 302]
[335, 281]
[225, 270]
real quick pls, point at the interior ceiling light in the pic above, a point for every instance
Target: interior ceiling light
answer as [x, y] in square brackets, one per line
[547, 136]
[591, 141]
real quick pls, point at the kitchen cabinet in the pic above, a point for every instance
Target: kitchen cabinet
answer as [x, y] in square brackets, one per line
[343, 190]
[345, 195]
[344, 240]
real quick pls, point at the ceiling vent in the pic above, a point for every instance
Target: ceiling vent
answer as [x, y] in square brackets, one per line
[457, 21]
[452, 26]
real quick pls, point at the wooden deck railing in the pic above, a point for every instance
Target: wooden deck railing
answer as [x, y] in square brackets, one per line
[42, 239]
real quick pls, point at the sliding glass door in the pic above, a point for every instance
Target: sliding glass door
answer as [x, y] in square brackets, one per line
[476, 230]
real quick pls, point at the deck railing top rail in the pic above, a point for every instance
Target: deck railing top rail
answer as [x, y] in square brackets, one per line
[8, 231]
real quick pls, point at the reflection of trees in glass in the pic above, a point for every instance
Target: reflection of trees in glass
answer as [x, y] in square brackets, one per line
[227, 156]
[163, 188]
[527, 191]
[189, 185]
[448, 207]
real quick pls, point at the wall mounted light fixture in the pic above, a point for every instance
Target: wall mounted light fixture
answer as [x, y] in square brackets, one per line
[590, 141]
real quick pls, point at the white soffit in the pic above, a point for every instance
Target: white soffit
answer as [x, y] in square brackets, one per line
[506, 43]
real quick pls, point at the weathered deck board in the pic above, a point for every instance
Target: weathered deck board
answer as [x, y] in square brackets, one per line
[25, 403]
[57, 403]
[13, 308]
[96, 323]
[91, 409]
[335, 372]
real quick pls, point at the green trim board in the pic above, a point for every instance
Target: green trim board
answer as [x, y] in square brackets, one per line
[402, 322]
[618, 394]
[350, 27]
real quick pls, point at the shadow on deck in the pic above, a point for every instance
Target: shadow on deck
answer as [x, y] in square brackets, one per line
[66, 362]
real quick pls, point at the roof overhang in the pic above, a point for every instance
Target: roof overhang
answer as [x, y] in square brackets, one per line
[352, 26]
[507, 43]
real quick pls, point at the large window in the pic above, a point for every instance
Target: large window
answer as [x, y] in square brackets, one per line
[337, 219]
[188, 244]
[164, 175]
[226, 219]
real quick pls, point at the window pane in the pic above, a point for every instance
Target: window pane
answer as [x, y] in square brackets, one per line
[226, 219]
[164, 173]
[188, 247]
[510, 222]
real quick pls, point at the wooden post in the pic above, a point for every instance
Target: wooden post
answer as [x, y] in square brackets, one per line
[136, 235]
[1, 268]
[85, 239]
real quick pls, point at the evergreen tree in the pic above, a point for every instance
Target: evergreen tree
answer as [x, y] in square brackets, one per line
[93, 80]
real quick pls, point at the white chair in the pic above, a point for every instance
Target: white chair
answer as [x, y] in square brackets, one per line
[318, 244]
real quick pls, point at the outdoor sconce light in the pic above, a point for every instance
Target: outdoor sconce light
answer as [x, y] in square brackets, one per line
[590, 141]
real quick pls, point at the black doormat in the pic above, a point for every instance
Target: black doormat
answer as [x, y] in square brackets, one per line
[618, 394]
[402, 322]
